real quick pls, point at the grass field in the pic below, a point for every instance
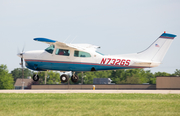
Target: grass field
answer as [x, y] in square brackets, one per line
[89, 104]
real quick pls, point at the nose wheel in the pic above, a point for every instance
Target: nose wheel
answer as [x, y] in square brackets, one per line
[35, 77]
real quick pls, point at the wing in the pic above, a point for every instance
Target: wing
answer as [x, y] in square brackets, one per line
[64, 45]
[85, 46]
[45, 40]
[49, 41]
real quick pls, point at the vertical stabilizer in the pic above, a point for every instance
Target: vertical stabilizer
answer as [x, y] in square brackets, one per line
[158, 49]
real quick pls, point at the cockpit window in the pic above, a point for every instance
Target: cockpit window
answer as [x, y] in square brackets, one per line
[62, 52]
[50, 49]
[81, 54]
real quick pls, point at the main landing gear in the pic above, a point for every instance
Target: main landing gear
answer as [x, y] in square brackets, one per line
[64, 78]
[74, 78]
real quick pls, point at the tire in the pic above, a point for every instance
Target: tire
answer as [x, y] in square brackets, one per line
[93, 69]
[35, 77]
[74, 78]
[64, 78]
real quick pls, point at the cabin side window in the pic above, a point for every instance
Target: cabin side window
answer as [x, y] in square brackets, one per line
[50, 49]
[81, 54]
[63, 52]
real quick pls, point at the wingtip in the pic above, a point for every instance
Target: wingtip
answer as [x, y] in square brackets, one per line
[35, 39]
[44, 40]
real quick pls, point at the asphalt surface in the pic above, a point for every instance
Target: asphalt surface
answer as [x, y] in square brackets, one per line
[94, 91]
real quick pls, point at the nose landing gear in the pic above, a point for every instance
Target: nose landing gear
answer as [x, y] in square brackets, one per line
[35, 77]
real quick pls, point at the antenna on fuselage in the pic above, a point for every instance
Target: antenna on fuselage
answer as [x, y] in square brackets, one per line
[66, 39]
[73, 39]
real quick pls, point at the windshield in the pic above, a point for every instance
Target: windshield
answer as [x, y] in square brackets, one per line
[99, 53]
[50, 49]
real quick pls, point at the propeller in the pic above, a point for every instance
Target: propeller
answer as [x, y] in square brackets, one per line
[20, 54]
[22, 66]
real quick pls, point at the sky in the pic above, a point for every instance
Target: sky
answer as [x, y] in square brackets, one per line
[117, 26]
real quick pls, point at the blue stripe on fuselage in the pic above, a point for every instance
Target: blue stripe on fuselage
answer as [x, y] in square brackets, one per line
[71, 66]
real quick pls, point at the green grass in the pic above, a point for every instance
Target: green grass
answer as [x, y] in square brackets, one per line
[89, 104]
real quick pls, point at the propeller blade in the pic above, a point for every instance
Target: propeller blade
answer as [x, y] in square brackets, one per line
[23, 48]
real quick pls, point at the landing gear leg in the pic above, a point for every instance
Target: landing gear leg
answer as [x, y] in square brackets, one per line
[74, 78]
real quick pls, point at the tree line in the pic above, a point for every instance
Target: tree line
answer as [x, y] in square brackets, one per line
[128, 76]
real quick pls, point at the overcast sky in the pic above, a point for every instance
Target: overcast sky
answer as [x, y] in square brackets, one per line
[118, 26]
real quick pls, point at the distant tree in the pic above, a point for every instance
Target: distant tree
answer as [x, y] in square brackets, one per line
[89, 76]
[6, 80]
[133, 76]
[177, 73]
[128, 76]
[161, 74]
[150, 77]
[118, 76]
[52, 77]
[17, 73]
[41, 77]
[134, 79]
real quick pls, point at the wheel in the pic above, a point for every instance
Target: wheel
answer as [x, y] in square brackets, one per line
[64, 78]
[74, 78]
[93, 69]
[35, 77]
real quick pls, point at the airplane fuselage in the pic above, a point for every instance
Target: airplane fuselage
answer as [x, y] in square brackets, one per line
[43, 60]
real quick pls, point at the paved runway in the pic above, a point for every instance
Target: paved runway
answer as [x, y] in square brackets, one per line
[94, 91]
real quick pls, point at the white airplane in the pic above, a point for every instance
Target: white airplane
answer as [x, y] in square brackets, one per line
[84, 57]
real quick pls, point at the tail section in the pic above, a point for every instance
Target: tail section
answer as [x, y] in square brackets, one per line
[158, 49]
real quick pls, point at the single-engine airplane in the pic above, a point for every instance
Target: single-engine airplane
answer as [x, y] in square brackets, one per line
[84, 57]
